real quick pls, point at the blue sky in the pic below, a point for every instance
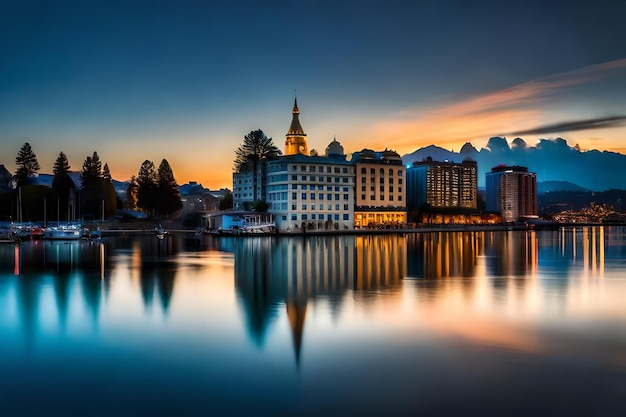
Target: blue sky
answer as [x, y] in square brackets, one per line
[187, 80]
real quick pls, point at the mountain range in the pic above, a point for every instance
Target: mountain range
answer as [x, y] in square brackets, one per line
[550, 159]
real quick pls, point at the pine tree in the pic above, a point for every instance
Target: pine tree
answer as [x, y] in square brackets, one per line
[146, 187]
[92, 187]
[110, 195]
[106, 174]
[131, 194]
[256, 146]
[27, 165]
[168, 194]
[62, 184]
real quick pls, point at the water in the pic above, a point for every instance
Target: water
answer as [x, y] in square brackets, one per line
[487, 323]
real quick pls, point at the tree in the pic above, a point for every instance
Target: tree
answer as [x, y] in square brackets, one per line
[227, 202]
[27, 165]
[63, 185]
[131, 193]
[92, 187]
[110, 195]
[106, 174]
[168, 194]
[146, 187]
[256, 146]
[259, 206]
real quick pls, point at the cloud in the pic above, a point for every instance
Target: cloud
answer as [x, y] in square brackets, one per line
[516, 109]
[572, 126]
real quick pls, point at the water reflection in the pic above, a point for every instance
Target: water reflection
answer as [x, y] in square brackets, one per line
[272, 274]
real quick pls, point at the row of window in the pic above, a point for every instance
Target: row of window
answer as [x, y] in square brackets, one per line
[313, 178]
[320, 168]
[381, 171]
[294, 217]
[303, 207]
[382, 188]
[320, 196]
[318, 187]
[381, 197]
[364, 180]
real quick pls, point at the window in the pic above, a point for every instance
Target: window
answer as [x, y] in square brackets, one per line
[382, 172]
[399, 173]
[329, 179]
[399, 198]
[303, 187]
[345, 170]
[321, 196]
[345, 189]
[372, 197]
[320, 169]
[363, 188]
[345, 196]
[346, 216]
[328, 170]
[304, 217]
[294, 217]
[294, 196]
[390, 172]
[329, 217]
[320, 179]
[312, 216]
[336, 197]
[330, 207]
[336, 179]
[329, 196]
[345, 207]
[304, 207]
[302, 167]
[304, 196]
[390, 197]
[337, 170]
[390, 180]
[312, 196]
[337, 189]
[312, 206]
[303, 178]
[312, 168]
[336, 217]
[399, 189]
[284, 218]
[400, 181]
[391, 188]
[293, 207]
[294, 178]
[363, 170]
[345, 180]
[362, 196]
[382, 188]
[294, 187]
[312, 178]
[372, 171]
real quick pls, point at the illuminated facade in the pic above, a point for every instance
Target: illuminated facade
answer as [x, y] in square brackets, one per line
[379, 189]
[295, 141]
[512, 192]
[440, 185]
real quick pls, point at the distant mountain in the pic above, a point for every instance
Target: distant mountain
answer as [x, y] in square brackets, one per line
[46, 179]
[551, 186]
[551, 159]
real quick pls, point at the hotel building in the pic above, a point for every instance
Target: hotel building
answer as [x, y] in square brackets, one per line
[439, 185]
[512, 192]
[379, 188]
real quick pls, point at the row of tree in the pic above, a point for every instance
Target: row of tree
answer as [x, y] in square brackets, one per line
[155, 192]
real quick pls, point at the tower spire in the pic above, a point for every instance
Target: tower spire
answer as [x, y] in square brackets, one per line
[295, 142]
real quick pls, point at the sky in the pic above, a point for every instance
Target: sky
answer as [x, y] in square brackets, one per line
[186, 80]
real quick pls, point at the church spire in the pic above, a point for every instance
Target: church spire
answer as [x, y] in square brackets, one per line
[295, 142]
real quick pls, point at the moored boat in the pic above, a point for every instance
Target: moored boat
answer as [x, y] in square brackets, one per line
[64, 232]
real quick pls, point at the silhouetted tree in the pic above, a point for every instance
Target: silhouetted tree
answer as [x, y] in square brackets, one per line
[168, 195]
[63, 185]
[259, 205]
[110, 195]
[27, 165]
[146, 187]
[256, 146]
[131, 193]
[227, 202]
[92, 189]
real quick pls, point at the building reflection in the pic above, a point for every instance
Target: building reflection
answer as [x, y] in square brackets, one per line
[63, 266]
[286, 274]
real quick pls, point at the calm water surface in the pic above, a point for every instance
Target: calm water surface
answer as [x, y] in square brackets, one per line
[488, 323]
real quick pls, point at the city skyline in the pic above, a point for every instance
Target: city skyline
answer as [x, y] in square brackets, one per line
[155, 80]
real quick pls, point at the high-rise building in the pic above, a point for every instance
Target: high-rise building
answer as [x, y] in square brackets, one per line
[379, 188]
[512, 192]
[437, 185]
